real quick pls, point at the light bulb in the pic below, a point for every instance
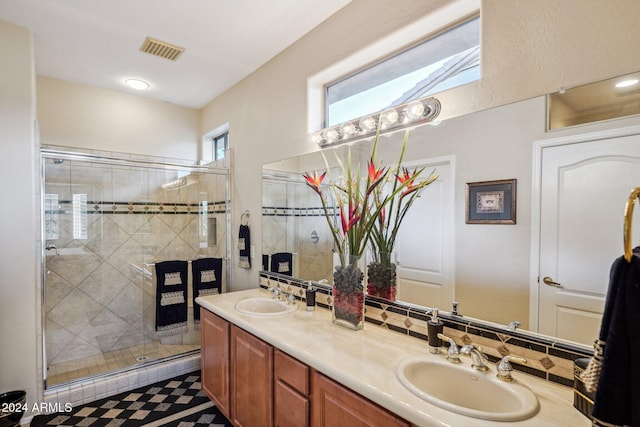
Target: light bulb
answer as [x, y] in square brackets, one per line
[415, 110]
[331, 135]
[316, 138]
[348, 129]
[367, 124]
[389, 117]
[137, 84]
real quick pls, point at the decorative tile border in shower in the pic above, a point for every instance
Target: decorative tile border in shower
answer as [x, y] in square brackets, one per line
[100, 387]
[547, 358]
[296, 212]
[107, 207]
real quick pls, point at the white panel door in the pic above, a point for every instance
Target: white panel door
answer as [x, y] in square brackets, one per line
[584, 187]
[424, 248]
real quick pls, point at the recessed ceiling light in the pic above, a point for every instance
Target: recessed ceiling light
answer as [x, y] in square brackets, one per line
[137, 84]
[627, 83]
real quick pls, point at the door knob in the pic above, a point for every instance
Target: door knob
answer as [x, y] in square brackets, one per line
[549, 281]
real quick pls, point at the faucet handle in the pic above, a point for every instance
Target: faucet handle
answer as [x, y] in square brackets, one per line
[504, 367]
[453, 353]
[291, 299]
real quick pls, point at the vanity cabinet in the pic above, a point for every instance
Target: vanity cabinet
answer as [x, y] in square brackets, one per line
[256, 385]
[251, 380]
[291, 391]
[214, 337]
[336, 405]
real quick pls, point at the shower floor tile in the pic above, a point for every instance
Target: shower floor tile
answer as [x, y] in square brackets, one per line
[93, 365]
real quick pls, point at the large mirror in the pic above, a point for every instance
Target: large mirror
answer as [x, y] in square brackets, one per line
[571, 187]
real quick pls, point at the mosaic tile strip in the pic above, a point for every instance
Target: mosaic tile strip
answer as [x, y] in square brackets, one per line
[546, 358]
[296, 212]
[148, 208]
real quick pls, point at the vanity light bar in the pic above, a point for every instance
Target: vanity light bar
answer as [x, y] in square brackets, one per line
[407, 114]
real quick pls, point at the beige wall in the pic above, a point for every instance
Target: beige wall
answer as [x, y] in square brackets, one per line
[18, 224]
[74, 115]
[529, 48]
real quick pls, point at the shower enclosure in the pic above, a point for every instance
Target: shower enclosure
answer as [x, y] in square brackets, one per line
[106, 221]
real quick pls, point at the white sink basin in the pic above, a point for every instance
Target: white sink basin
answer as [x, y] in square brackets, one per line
[465, 391]
[264, 307]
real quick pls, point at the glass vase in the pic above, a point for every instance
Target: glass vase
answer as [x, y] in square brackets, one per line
[348, 295]
[381, 277]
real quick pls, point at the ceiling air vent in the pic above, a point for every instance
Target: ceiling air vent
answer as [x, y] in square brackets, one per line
[161, 49]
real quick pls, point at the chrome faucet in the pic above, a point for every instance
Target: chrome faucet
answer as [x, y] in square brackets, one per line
[453, 353]
[291, 299]
[275, 291]
[513, 325]
[505, 368]
[478, 359]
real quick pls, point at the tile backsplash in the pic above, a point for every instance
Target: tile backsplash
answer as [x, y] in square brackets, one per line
[546, 357]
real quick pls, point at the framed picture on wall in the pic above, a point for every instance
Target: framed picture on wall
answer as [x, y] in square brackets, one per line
[491, 202]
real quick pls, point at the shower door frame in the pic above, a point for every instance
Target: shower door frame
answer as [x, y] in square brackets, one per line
[147, 162]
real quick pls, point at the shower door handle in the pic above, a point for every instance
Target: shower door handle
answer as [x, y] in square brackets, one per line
[549, 282]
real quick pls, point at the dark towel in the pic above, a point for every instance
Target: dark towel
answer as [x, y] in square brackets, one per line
[206, 280]
[618, 394]
[282, 262]
[244, 246]
[171, 298]
[265, 262]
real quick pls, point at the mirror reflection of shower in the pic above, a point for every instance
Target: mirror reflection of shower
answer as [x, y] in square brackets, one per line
[291, 216]
[106, 222]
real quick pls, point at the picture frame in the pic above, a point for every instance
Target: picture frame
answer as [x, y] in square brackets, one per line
[491, 202]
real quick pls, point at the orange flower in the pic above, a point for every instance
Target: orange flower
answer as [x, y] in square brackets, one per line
[314, 180]
[376, 175]
[408, 177]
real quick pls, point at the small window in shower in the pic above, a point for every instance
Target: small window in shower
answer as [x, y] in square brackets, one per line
[79, 211]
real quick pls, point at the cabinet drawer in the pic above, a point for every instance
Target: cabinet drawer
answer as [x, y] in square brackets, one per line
[292, 372]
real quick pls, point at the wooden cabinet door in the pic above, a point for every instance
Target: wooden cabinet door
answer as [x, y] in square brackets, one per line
[291, 409]
[335, 405]
[251, 380]
[214, 333]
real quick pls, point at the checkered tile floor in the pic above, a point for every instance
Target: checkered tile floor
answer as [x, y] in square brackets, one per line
[165, 400]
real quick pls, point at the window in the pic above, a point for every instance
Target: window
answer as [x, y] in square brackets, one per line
[220, 146]
[450, 59]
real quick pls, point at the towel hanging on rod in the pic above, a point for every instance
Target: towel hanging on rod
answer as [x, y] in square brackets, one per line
[244, 218]
[628, 220]
[244, 241]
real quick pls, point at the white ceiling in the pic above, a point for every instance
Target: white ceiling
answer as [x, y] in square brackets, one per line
[97, 42]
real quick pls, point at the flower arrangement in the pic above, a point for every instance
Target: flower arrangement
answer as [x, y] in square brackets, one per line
[393, 209]
[358, 209]
[361, 203]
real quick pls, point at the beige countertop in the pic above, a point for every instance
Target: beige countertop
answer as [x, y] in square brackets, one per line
[366, 360]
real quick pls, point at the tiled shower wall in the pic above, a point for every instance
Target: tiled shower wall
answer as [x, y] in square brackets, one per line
[292, 218]
[99, 287]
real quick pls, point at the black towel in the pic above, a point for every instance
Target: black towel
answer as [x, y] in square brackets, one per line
[617, 399]
[244, 246]
[206, 280]
[265, 262]
[282, 262]
[171, 301]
